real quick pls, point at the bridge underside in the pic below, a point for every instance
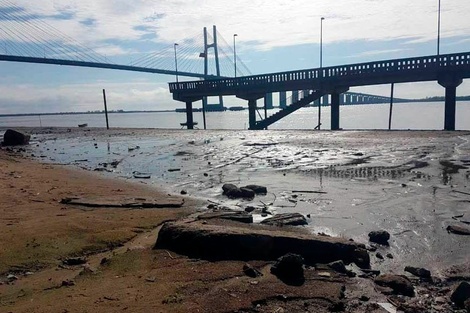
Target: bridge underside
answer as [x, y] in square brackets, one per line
[447, 70]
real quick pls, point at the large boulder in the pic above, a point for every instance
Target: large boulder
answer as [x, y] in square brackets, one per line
[201, 239]
[399, 284]
[15, 138]
[259, 190]
[286, 219]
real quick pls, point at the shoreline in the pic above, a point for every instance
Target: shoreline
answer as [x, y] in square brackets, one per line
[160, 279]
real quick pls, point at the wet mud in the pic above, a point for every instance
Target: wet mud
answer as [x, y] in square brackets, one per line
[412, 184]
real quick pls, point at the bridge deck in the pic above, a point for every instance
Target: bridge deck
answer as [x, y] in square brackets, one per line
[428, 68]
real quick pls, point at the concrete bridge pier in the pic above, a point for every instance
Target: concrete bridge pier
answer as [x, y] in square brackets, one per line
[335, 103]
[189, 115]
[252, 98]
[450, 83]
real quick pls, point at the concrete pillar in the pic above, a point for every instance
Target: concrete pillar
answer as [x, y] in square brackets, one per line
[450, 84]
[325, 100]
[189, 115]
[252, 113]
[295, 96]
[268, 101]
[282, 99]
[335, 111]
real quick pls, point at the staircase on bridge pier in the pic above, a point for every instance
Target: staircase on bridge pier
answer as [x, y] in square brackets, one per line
[448, 70]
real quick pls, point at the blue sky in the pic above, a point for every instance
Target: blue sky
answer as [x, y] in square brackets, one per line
[274, 35]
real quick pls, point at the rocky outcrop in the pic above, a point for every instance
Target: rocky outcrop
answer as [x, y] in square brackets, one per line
[286, 219]
[221, 242]
[418, 271]
[15, 138]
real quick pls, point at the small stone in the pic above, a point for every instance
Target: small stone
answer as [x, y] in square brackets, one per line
[250, 209]
[338, 266]
[68, 283]
[458, 229]
[364, 298]
[184, 192]
[389, 255]
[461, 294]
[11, 278]
[379, 256]
[150, 279]
[380, 237]
[205, 174]
[289, 267]
[324, 274]
[75, 261]
[286, 219]
[418, 271]
[399, 284]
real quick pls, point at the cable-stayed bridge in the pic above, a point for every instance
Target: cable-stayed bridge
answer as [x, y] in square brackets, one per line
[26, 38]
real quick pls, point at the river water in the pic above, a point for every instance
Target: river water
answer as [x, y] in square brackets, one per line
[405, 116]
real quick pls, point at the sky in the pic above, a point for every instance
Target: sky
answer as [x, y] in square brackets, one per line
[272, 36]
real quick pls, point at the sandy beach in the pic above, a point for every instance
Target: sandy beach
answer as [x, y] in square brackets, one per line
[411, 184]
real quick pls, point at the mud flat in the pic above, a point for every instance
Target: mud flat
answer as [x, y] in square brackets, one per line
[412, 184]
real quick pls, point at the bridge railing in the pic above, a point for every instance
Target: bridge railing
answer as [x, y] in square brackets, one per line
[361, 69]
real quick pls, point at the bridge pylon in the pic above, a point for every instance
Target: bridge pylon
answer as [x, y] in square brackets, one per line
[207, 46]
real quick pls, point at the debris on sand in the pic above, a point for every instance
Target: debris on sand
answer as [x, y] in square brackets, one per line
[286, 219]
[458, 229]
[250, 271]
[140, 175]
[15, 138]
[380, 237]
[125, 202]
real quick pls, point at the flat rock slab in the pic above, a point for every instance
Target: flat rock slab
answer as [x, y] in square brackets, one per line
[237, 216]
[228, 242]
[286, 219]
[126, 202]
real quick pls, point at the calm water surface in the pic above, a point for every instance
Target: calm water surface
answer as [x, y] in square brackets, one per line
[405, 116]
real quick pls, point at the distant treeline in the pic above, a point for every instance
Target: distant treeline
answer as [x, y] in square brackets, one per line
[439, 99]
[87, 112]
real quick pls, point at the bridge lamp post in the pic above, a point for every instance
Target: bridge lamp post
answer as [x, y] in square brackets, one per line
[321, 66]
[176, 61]
[235, 54]
[438, 27]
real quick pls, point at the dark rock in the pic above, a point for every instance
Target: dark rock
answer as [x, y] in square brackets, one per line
[184, 192]
[15, 138]
[338, 266]
[379, 256]
[380, 237]
[259, 190]
[285, 219]
[251, 271]
[232, 191]
[461, 294]
[238, 216]
[231, 242]
[75, 261]
[247, 193]
[371, 272]
[364, 298]
[250, 209]
[458, 229]
[399, 284]
[290, 269]
[418, 271]
[389, 255]
[68, 283]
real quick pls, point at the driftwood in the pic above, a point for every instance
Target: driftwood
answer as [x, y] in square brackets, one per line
[126, 202]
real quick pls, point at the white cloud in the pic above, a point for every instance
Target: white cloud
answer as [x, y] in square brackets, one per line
[265, 24]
